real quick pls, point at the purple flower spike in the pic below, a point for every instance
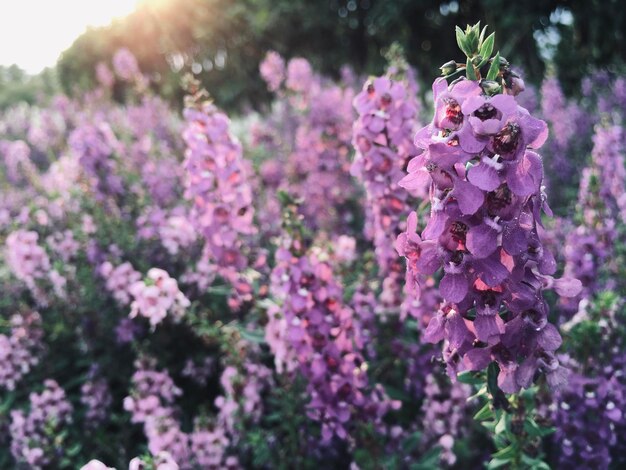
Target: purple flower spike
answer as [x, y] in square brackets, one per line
[484, 230]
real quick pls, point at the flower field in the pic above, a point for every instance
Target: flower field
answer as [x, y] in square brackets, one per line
[417, 270]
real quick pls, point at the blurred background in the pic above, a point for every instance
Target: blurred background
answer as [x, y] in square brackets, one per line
[225, 40]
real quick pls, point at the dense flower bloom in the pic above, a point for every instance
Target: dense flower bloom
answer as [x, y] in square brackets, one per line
[152, 402]
[486, 198]
[63, 244]
[273, 70]
[326, 344]
[94, 146]
[125, 65]
[570, 127]
[17, 161]
[20, 350]
[35, 436]
[104, 75]
[119, 280]
[609, 157]
[156, 297]
[96, 397]
[446, 410]
[309, 136]
[217, 184]
[26, 259]
[585, 417]
[383, 139]
[299, 74]
[242, 394]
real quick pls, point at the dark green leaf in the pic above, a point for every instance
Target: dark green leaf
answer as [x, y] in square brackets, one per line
[484, 413]
[497, 463]
[494, 70]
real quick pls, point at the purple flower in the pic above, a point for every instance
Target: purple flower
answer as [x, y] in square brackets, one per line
[382, 137]
[273, 70]
[486, 199]
[324, 339]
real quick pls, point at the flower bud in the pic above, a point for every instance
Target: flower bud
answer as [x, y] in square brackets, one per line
[514, 85]
[448, 68]
[490, 87]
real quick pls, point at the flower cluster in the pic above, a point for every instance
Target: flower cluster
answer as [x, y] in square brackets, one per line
[171, 228]
[95, 395]
[125, 65]
[322, 335]
[37, 439]
[570, 126]
[313, 138]
[119, 279]
[446, 410]
[383, 139]
[585, 417]
[217, 183]
[609, 156]
[273, 70]
[20, 350]
[242, 394]
[63, 244]
[486, 199]
[94, 146]
[156, 296]
[152, 402]
[27, 260]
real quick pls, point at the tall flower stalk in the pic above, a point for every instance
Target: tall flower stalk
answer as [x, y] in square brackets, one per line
[482, 237]
[383, 139]
[217, 183]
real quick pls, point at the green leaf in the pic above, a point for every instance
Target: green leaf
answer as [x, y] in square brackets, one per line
[497, 463]
[533, 463]
[502, 424]
[494, 70]
[469, 377]
[487, 48]
[471, 73]
[484, 413]
[482, 35]
[252, 336]
[507, 453]
[73, 451]
[461, 40]
[7, 404]
[429, 461]
[480, 393]
[411, 442]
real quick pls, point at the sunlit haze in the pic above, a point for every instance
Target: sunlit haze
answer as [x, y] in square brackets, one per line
[33, 33]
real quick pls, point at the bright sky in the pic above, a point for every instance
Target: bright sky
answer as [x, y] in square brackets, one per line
[33, 33]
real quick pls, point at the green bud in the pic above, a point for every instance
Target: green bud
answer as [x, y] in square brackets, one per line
[448, 68]
[472, 37]
[490, 87]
